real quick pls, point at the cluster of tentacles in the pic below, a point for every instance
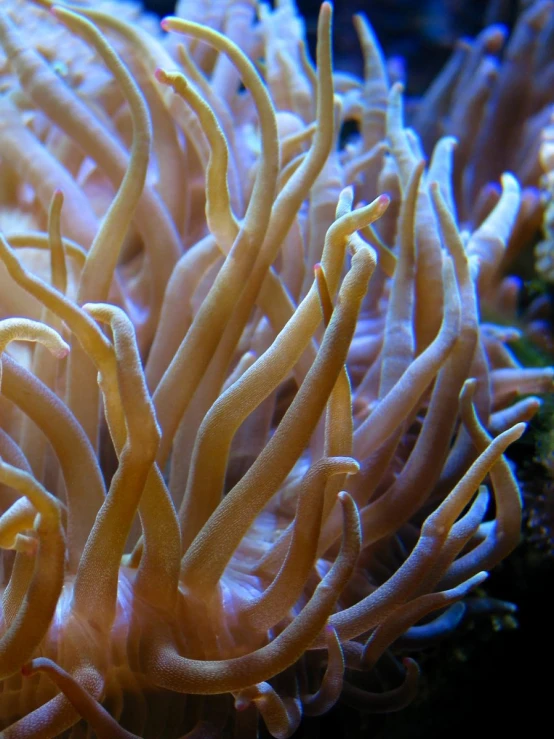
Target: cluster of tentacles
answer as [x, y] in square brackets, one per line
[251, 408]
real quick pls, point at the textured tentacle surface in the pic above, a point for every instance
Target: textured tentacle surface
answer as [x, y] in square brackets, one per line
[253, 423]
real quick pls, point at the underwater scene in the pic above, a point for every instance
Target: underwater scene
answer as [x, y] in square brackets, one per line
[276, 368]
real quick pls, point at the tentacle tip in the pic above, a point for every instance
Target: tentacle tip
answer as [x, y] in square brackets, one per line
[508, 178]
[520, 429]
[27, 670]
[413, 670]
[326, 10]
[468, 388]
[500, 30]
[62, 351]
[57, 10]
[409, 662]
[480, 577]
[346, 500]
[241, 704]
[167, 23]
[160, 74]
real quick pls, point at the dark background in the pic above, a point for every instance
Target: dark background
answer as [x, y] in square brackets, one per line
[422, 32]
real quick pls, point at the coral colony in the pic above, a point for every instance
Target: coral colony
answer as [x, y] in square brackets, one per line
[252, 421]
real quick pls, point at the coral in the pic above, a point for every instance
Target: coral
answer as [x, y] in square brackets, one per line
[253, 426]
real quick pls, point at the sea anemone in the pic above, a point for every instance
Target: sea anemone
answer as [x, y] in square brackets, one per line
[243, 457]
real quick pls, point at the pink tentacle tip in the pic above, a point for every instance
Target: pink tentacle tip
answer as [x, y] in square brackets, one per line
[62, 352]
[160, 75]
[165, 24]
[241, 704]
